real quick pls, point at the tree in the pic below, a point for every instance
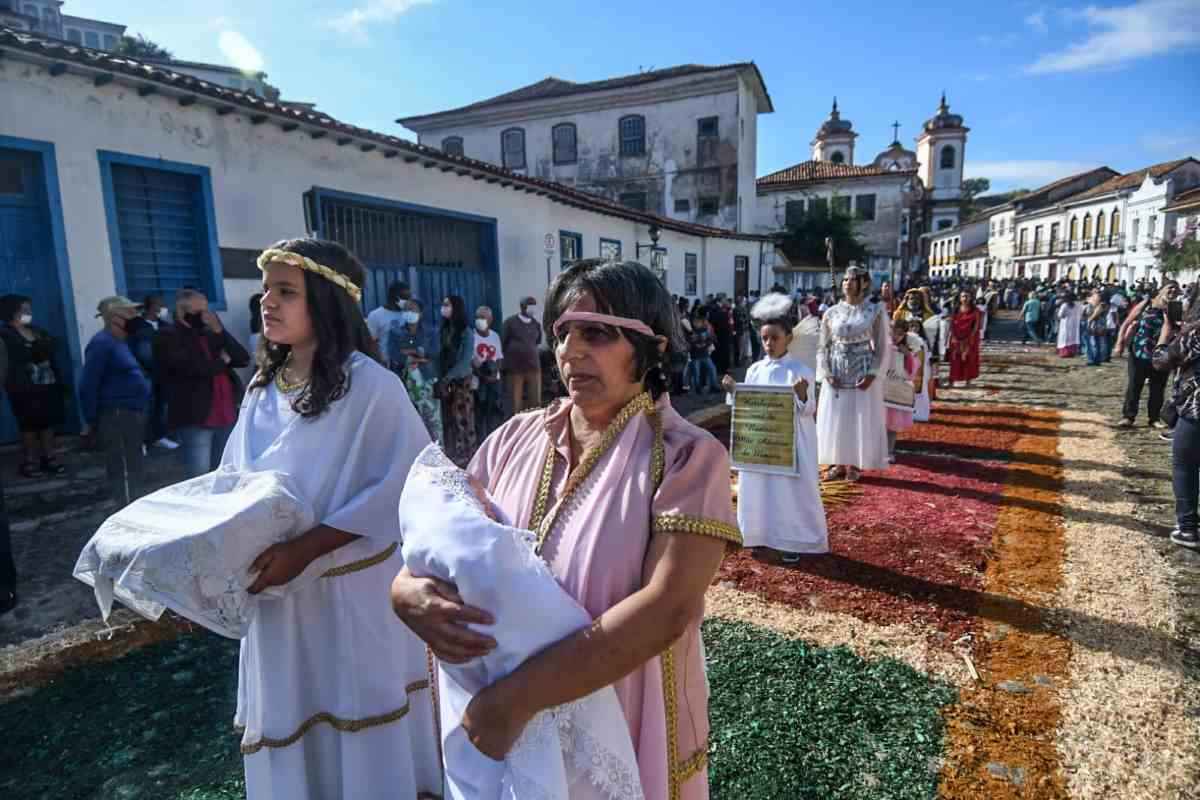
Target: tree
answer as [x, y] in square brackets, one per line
[971, 189]
[1181, 253]
[141, 47]
[804, 241]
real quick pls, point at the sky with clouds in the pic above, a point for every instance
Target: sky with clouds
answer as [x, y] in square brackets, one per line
[1047, 89]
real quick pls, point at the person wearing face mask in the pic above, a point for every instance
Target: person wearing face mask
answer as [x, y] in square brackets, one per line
[489, 358]
[520, 340]
[405, 353]
[197, 357]
[114, 393]
[455, 380]
[35, 392]
[143, 331]
[391, 314]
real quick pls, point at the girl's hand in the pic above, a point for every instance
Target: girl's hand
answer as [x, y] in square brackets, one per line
[832, 383]
[728, 383]
[279, 564]
[866, 382]
[800, 387]
[436, 613]
[494, 725]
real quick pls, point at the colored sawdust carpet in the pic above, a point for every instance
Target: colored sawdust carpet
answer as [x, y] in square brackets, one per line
[790, 720]
[155, 725]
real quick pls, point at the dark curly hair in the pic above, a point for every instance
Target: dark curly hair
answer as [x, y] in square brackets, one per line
[337, 322]
[622, 289]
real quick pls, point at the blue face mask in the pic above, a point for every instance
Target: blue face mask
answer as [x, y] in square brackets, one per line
[410, 317]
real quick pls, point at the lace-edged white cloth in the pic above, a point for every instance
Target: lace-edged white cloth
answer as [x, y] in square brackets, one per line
[189, 547]
[578, 751]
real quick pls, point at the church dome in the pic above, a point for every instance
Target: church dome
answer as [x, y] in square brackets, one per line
[896, 157]
[835, 125]
[943, 119]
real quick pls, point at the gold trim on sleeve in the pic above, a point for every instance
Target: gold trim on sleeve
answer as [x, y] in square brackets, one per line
[684, 523]
[338, 723]
[693, 766]
[678, 772]
[365, 563]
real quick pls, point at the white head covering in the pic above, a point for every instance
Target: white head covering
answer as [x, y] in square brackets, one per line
[447, 534]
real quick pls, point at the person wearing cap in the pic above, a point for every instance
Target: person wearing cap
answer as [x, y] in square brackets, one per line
[519, 340]
[114, 394]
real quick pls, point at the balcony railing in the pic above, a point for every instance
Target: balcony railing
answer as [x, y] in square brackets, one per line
[1056, 246]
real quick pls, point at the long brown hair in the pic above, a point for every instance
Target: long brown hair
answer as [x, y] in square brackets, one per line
[337, 322]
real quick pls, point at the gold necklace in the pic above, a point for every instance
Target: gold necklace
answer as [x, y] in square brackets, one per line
[281, 382]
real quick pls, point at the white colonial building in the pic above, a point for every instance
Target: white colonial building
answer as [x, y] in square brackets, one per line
[1151, 214]
[680, 142]
[961, 250]
[119, 179]
[1036, 229]
[45, 17]
[1185, 211]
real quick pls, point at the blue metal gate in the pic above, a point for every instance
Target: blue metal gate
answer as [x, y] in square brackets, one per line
[27, 259]
[437, 253]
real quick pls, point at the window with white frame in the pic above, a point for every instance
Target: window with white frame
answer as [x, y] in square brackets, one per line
[563, 143]
[110, 42]
[91, 39]
[74, 36]
[1150, 229]
[452, 145]
[691, 275]
[632, 131]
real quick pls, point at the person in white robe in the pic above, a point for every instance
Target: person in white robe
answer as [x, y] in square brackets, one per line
[923, 406]
[783, 512]
[453, 531]
[1070, 316]
[854, 342]
[333, 691]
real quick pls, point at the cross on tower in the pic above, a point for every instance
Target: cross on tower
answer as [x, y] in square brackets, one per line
[896, 131]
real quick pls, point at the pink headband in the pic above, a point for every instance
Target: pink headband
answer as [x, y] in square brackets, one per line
[602, 319]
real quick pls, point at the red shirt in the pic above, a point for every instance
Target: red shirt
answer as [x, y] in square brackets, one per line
[221, 414]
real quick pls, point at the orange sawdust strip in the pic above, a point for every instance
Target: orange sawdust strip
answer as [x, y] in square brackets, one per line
[36, 663]
[1002, 743]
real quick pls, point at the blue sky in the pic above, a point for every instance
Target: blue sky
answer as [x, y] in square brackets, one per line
[1047, 89]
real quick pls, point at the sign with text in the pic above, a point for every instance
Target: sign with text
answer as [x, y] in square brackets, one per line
[763, 429]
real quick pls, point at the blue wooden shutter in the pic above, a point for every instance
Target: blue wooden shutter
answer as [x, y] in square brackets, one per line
[164, 242]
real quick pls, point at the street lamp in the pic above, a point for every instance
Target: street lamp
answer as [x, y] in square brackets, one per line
[656, 254]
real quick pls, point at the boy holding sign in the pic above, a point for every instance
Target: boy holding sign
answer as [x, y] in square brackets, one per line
[780, 508]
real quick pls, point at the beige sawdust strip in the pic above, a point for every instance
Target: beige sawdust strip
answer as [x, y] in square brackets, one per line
[905, 643]
[1125, 732]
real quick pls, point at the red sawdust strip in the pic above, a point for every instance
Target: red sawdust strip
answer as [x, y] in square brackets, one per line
[990, 725]
[911, 549]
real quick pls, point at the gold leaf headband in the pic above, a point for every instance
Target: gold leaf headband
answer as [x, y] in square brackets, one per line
[307, 264]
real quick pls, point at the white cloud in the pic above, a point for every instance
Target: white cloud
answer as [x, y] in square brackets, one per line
[1027, 173]
[1125, 33]
[354, 22]
[1037, 21]
[240, 52]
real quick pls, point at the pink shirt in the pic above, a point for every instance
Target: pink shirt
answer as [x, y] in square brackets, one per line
[655, 472]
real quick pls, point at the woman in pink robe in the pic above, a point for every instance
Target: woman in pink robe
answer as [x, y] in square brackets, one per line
[633, 510]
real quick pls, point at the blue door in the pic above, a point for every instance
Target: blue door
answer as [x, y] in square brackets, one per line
[435, 254]
[27, 261]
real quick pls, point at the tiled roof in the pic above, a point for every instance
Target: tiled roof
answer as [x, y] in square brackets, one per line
[1130, 180]
[820, 171]
[557, 87]
[61, 55]
[1188, 199]
[1041, 196]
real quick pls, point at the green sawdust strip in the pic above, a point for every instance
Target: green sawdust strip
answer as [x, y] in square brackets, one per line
[908, 644]
[790, 720]
[153, 725]
[1125, 731]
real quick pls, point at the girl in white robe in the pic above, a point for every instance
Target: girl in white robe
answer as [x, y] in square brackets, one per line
[924, 403]
[783, 512]
[1070, 314]
[333, 690]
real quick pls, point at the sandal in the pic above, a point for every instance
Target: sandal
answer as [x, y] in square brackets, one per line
[52, 467]
[29, 470]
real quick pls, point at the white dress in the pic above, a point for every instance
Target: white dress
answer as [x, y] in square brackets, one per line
[578, 751]
[333, 690]
[851, 426]
[1069, 318]
[784, 512]
[923, 406]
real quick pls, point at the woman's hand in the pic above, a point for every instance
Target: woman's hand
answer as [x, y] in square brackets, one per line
[800, 387]
[494, 724]
[435, 613]
[832, 383]
[279, 564]
[865, 383]
[728, 383]
[1168, 331]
